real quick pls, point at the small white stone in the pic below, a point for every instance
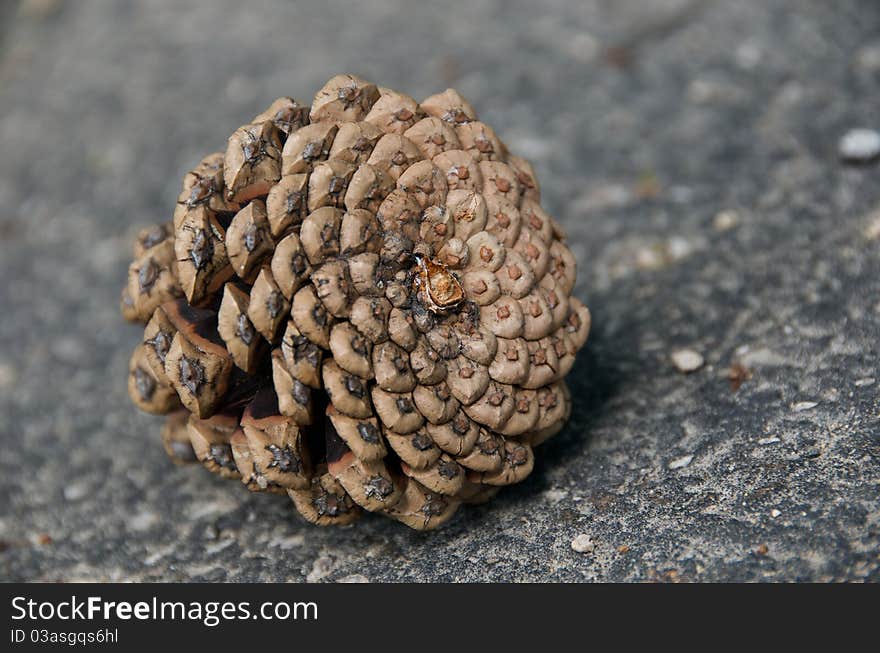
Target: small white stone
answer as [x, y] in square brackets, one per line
[583, 544]
[556, 495]
[678, 463]
[860, 145]
[321, 568]
[862, 383]
[804, 405]
[649, 258]
[768, 440]
[354, 578]
[156, 556]
[872, 225]
[213, 548]
[687, 360]
[761, 357]
[678, 248]
[76, 491]
[725, 220]
[143, 520]
[775, 513]
[285, 543]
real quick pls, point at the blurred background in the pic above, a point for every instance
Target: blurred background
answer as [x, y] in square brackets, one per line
[694, 151]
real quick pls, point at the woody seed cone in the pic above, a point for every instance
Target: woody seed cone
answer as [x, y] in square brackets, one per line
[360, 304]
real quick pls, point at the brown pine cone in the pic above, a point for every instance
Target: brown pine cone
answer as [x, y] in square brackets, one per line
[360, 304]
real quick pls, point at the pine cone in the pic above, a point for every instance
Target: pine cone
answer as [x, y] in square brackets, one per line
[360, 304]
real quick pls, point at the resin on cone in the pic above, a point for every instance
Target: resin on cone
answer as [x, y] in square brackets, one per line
[360, 304]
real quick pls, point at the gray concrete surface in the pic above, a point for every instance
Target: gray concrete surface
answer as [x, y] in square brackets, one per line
[690, 149]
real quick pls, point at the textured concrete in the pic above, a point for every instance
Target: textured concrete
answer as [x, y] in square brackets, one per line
[690, 149]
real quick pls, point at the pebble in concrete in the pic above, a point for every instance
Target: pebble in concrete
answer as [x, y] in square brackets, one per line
[583, 544]
[687, 360]
[860, 145]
